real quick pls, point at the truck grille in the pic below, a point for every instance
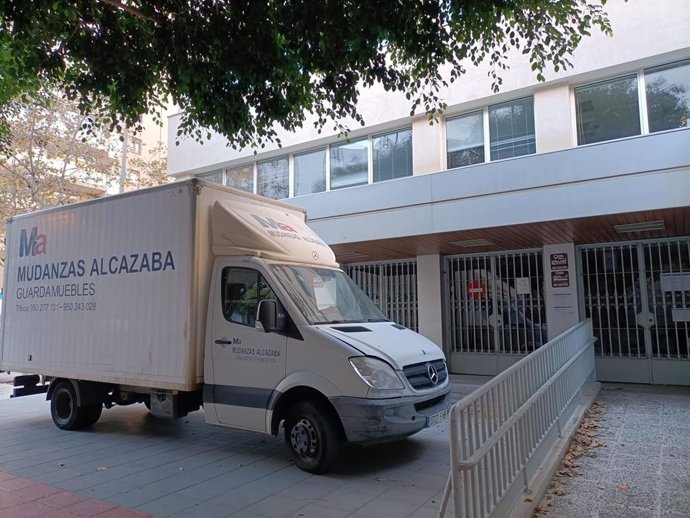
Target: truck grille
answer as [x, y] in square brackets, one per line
[420, 374]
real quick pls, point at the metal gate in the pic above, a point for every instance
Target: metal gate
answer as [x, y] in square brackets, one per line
[638, 297]
[392, 286]
[495, 310]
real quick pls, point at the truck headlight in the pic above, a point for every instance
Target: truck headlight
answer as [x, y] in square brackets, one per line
[376, 373]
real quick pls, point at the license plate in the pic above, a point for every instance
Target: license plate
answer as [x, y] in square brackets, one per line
[438, 418]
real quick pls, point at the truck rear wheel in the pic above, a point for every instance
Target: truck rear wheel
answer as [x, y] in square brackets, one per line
[312, 437]
[90, 414]
[66, 414]
[63, 407]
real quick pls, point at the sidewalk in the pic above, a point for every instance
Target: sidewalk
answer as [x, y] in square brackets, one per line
[21, 497]
[643, 468]
[188, 468]
[130, 461]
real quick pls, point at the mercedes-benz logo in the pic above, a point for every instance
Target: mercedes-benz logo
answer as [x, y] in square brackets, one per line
[433, 374]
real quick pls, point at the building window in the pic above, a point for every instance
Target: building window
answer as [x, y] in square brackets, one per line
[465, 140]
[667, 90]
[310, 172]
[241, 178]
[273, 178]
[350, 164]
[212, 176]
[392, 155]
[136, 146]
[607, 110]
[511, 129]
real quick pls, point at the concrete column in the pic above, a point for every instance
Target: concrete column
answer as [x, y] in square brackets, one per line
[560, 288]
[427, 148]
[430, 297]
[553, 118]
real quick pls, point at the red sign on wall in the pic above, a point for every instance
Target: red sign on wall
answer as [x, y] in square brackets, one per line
[559, 261]
[560, 279]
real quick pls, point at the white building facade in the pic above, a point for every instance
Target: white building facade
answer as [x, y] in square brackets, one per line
[519, 213]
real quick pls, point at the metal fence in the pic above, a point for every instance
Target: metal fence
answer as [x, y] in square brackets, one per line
[496, 302]
[500, 434]
[392, 285]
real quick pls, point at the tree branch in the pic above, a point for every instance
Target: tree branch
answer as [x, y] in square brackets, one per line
[131, 10]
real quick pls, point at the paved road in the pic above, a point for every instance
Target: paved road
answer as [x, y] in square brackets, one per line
[188, 468]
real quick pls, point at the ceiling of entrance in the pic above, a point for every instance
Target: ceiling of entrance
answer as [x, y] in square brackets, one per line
[599, 229]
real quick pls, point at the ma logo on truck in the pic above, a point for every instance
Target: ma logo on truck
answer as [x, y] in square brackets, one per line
[273, 224]
[34, 244]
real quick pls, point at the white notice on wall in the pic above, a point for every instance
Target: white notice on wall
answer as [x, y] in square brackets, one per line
[564, 302]
[522, 285]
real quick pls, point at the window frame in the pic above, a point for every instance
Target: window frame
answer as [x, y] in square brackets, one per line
[259, 277]
[643, 111]
[485, 135]
[486, 129]
[271, 159]
[374, 136]
[293, 172]
[618, 77]
[368, 140]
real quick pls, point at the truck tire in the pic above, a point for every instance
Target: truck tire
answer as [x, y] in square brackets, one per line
[90, 415]
[63, 407]
[312, 437]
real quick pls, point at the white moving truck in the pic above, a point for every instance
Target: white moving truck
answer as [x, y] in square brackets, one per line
[192, 294]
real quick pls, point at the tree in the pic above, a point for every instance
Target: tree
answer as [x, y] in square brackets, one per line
[150, 172]
[241, 67]
[54, 156]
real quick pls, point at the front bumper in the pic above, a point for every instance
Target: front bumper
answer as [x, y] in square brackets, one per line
[379, 420]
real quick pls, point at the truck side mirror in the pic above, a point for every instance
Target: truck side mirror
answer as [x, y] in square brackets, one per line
[270, 316]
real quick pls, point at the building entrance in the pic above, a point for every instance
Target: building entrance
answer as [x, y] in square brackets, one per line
[495, 310]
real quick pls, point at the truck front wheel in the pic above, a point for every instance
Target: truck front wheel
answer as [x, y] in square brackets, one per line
[312, 437]
[66, 414]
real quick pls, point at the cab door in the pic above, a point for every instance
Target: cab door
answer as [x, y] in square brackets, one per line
[248, 362]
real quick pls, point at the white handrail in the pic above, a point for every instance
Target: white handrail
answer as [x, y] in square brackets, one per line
[496, 430]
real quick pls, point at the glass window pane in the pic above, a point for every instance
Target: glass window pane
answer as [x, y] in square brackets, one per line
[465, 140]
[668, 96]
[607, 111]
[310, 172]
[511, 129]
[240, 178]
[350, 164]
[273, 178]
[393, 155]
[213, 176]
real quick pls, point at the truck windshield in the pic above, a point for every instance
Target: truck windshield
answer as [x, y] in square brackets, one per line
[326, 296]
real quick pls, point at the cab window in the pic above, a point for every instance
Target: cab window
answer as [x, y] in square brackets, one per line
[241, 291]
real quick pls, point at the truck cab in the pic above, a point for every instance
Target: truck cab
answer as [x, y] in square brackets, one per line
[300, 345]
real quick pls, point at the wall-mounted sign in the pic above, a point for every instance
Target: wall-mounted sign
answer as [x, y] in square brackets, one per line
[559, 261]
[560, 279]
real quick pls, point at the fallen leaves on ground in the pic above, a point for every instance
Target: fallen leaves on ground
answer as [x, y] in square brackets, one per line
[583, 442]
[623, 487]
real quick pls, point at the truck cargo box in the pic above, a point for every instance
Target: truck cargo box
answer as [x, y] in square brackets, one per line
[115, 290]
